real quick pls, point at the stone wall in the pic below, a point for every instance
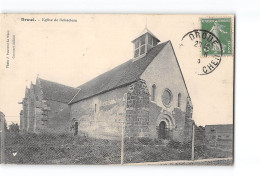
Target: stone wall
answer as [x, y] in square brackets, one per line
[25, 112]
[52, 117]
[100, 116]
[179, 116]
[180, 128]
[220, 136]
[31, 112]
[43, 116]
[155, 112]
[188, 129]
[58, 120]
[165, 74]
[137, 110]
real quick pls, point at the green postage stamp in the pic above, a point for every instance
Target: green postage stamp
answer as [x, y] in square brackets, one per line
[221, 28]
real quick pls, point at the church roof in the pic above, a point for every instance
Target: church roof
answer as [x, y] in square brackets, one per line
[121, 75]
[57, 92]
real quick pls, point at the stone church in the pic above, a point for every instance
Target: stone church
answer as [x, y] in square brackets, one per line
[145, 96]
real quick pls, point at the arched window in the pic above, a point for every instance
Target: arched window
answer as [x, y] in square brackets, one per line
[179, 99]
[153, 92]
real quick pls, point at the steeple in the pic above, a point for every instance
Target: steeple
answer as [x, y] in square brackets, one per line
[144, 42]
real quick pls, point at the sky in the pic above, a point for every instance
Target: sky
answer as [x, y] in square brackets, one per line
[71, 53]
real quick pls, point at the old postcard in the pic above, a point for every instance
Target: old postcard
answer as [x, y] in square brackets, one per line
[116, 89]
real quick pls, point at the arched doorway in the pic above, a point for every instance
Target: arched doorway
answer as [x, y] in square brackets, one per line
[162, 130]
[165, 125]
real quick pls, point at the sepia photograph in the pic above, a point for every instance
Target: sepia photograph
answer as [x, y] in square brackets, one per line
[117, 89]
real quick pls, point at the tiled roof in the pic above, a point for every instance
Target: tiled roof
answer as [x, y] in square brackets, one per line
[57, 92]
[121, 75]
[146, 30]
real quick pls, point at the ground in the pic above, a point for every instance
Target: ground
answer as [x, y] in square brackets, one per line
[68, 149]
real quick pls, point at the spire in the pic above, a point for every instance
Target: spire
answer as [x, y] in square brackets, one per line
[146, 23]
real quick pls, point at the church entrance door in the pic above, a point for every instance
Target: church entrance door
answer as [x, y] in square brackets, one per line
[162, 130]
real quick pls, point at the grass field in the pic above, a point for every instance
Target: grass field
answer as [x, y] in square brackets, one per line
[66, 149]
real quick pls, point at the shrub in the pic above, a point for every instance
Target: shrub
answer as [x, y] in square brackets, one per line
[14, 128]
[174, 144]
[185, 155]
[186, 145]
[145, 141]
[200, 152]
[158, 142]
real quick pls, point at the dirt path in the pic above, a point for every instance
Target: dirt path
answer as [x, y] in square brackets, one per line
[213, 161]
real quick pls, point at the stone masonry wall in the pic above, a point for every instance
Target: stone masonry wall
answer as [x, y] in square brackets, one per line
[52, 117]
[31, 112]
[58, 117]
[182, 127]
[182, 132]
[23, 118]
[155, 112]
[43, 116]
[137, 110]
[101, 116]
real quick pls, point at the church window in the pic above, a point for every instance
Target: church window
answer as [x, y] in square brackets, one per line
[167, 97]
[143, 43]
[150, 40]
[153, 92]
[95, 108]
[142, 50]
[142, 40]
[136, 52]
[154, 42]
[76, 127]
[136, 44]
[179, 99]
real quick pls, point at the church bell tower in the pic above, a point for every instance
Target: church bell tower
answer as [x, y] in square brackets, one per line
[143, 43]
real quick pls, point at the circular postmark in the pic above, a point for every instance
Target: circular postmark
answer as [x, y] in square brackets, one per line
[210, 50]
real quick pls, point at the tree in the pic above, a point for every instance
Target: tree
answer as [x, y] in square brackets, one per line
[5, 125]
[14, 128]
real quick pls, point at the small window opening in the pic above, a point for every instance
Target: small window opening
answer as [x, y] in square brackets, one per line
[179, 99]
[153, 92]
[95, 108]
[76, 127]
